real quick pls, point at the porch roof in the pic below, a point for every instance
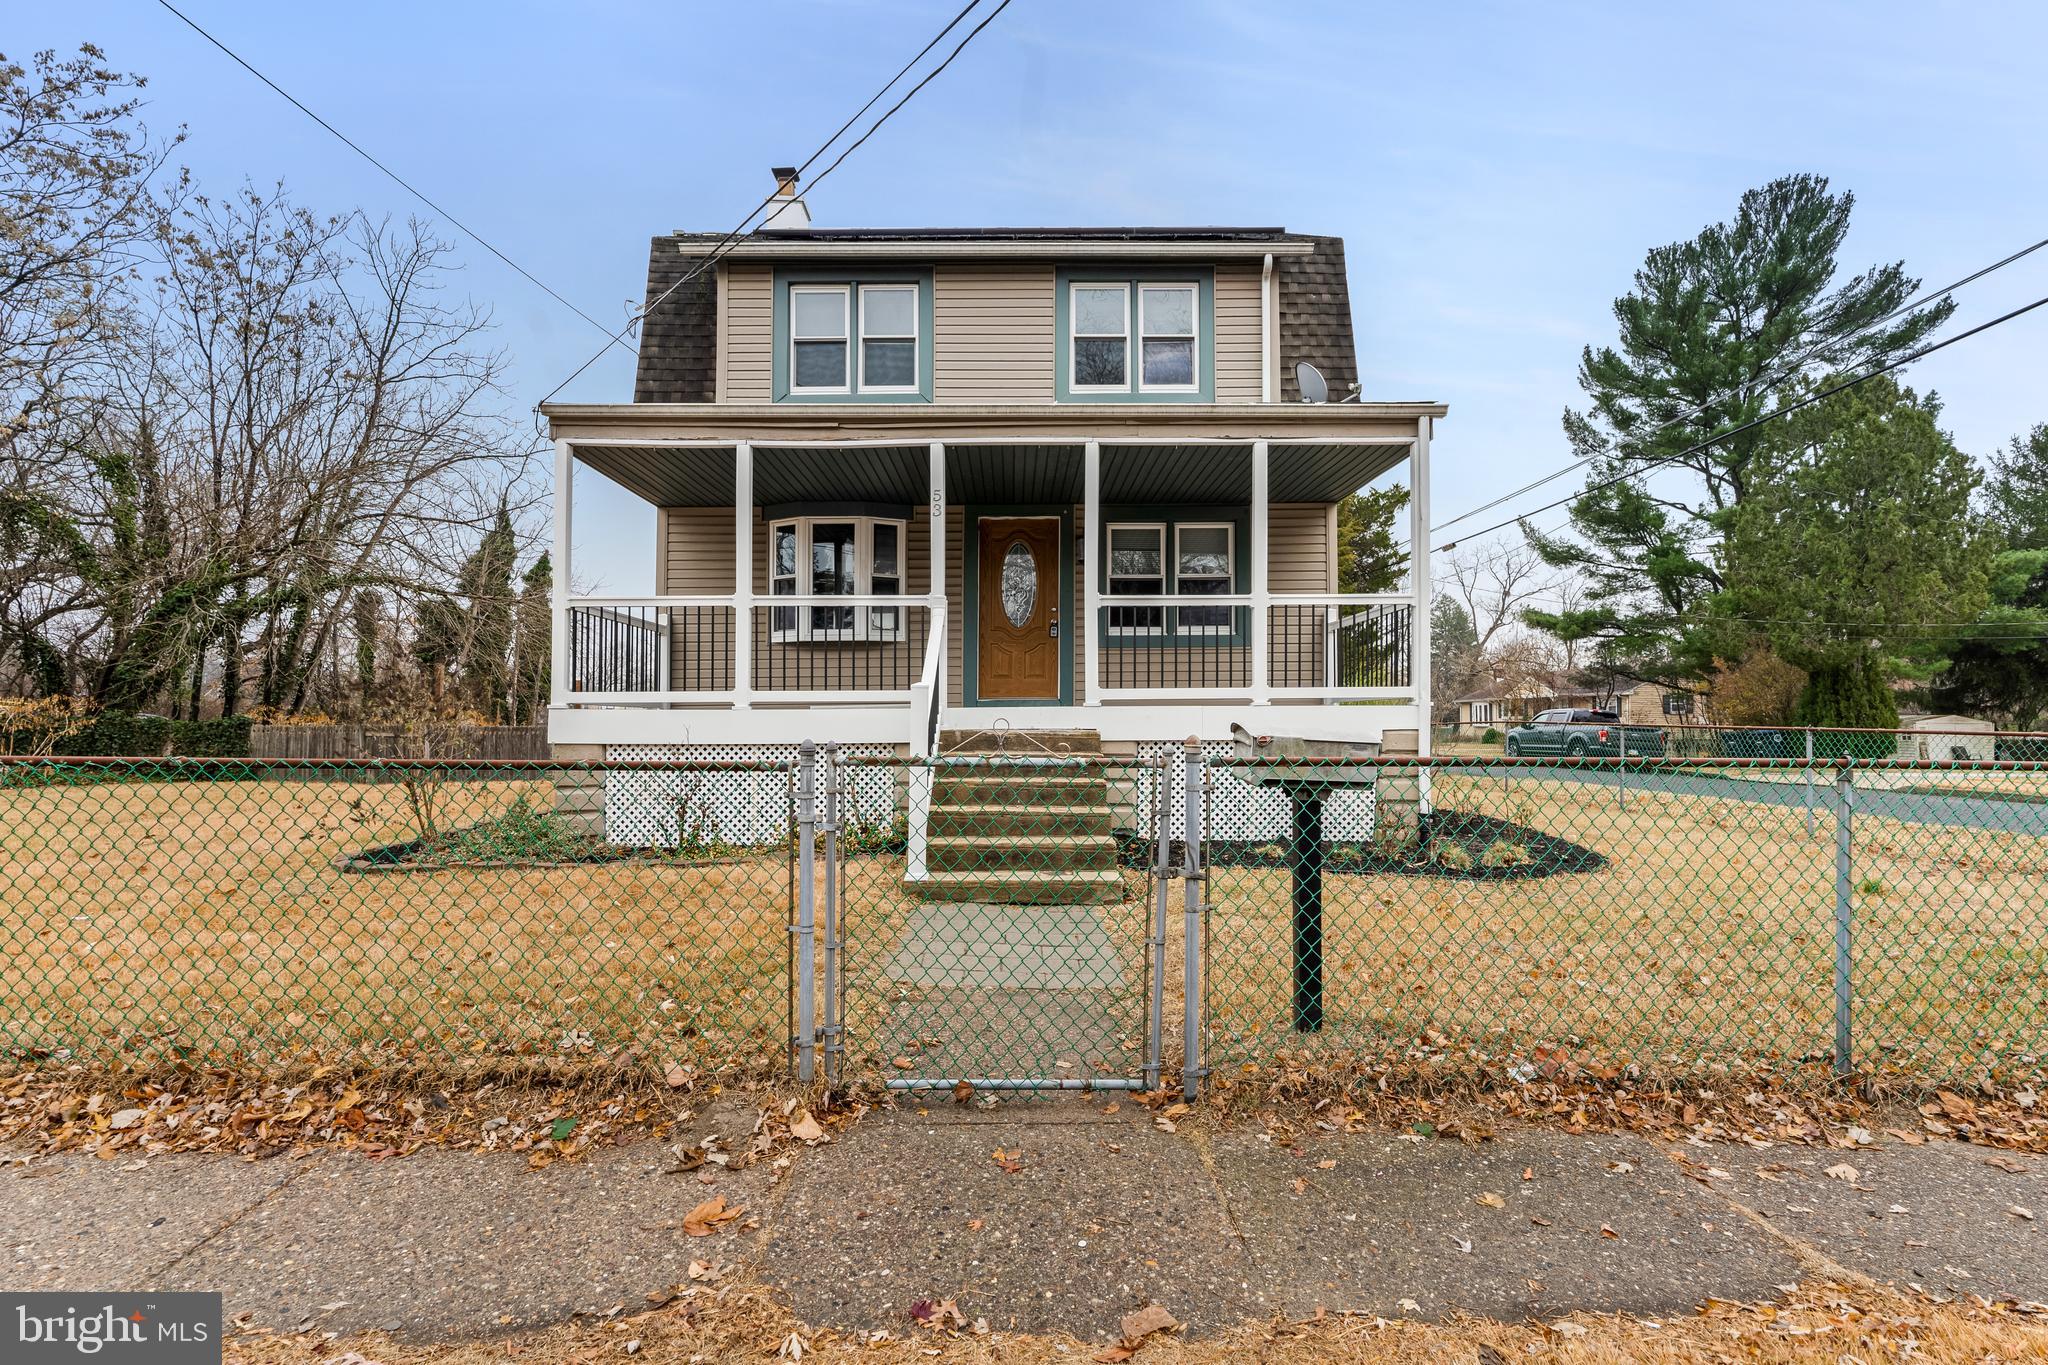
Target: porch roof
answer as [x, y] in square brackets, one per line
[690, 474]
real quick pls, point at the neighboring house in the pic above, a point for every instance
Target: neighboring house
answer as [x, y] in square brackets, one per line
[1946, 737]
[1638, 703]
[914, 484]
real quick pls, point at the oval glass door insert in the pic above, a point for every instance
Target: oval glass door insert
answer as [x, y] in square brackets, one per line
[1020, 583]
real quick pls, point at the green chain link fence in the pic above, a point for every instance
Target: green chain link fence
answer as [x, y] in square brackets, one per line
[1637, 916]
[1018, 919]
[439, 915]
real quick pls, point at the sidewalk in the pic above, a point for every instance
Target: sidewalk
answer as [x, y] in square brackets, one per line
[1084, 1216]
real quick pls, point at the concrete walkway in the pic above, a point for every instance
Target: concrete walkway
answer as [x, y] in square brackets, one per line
[1086, 1215]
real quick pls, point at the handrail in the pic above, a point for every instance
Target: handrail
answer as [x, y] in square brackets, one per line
[928, 695]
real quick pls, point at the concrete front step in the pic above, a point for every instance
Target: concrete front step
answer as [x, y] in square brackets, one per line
[1013, 857]
[1000, 818]
[1096, 886]
[1021, 743]
[975, 787]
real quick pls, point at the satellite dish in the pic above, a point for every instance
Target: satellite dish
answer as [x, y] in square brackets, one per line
[1310, 381]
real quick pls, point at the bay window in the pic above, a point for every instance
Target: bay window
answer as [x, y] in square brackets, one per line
[829, 556]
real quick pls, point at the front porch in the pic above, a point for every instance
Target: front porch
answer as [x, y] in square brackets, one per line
[1144, 580]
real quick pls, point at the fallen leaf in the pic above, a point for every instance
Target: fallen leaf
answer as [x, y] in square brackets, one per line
[1842, 1170]
[703, 1270]
[1491, 1200]
[1110, 1355]
[1326, 1165]
[709, 1216]
[806, 1129]
[901, 1063]
[677, 1075]
[2016, 1211]
[2006, 1163]
[127, 1118]
[963, 1090]
[1147, 1320]
[1606, 1231]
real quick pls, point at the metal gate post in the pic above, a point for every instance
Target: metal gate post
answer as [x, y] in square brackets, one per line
[806, 911]
[1845, 804]
[1191, 930]
[835, 796]
[1162, 866]
[1809, 781]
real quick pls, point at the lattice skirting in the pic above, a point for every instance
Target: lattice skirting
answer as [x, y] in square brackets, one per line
[665, 809]
[1240, 810]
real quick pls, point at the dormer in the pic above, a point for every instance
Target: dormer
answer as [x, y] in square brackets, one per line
[799, 314]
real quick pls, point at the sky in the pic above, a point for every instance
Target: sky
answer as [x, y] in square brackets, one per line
[1497, 170]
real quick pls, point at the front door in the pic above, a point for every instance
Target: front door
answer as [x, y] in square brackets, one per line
[1018, 655]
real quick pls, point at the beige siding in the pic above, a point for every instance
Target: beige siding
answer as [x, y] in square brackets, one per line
[1237, 333]
[992, 333]
[747, 333]
[698, 554]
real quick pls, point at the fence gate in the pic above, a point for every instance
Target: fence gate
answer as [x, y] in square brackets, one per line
[993, 919]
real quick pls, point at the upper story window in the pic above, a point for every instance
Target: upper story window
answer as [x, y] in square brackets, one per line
[853, 338]
[1135, 337]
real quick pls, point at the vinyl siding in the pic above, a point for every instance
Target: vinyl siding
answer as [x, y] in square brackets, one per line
[1237, 333]
[992, 332]
[698, 555]
[747, 336]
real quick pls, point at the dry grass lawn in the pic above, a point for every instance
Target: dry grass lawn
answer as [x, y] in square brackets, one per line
[146, 920]
[1709, 936]
[150, 921]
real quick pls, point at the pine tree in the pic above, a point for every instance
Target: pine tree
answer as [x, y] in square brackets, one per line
[1369, 559]
[533, 642]
[1854, 538]
[1717, 331]
[2016, 494]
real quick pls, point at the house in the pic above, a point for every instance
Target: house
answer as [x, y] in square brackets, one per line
[1499, 705]
[1947, 737]
[914, 486]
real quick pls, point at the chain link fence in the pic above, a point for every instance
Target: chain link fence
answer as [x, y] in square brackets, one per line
[1621, 917]
[1031, 921]
[438, 915]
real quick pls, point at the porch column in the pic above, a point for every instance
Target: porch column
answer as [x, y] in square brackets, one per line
[1091, 590]
[935, 581]
[743, 574]
[1262, 601]
[559, 662]
[1418, 579]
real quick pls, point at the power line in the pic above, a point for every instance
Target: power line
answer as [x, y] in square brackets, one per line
[725, 244]
[1786, 371]
[402, 182]
[1755, 422]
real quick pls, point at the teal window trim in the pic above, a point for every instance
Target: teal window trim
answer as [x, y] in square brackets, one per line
[851, 281]
[1204, 280]
[970, 638]
[1172, 516]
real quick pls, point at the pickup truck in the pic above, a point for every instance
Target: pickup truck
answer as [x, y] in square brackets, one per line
[1584, 734]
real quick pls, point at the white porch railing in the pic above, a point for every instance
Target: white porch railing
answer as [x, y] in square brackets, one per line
[891, 651]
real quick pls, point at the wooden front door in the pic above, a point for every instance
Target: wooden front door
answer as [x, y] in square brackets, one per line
[1018, 614]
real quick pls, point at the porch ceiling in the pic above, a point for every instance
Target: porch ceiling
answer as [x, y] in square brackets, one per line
[1021, 473]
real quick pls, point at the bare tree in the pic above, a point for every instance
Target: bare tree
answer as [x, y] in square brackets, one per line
[1494, 586]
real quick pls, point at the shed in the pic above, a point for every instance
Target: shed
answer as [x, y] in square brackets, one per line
[1947, 737]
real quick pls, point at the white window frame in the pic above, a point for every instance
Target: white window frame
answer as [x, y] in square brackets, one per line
[916, 341]
[865, 628]
[1194, 337]
[847, 339]
[1075, 334]
[1229, 529]
[1482, 713]
[1165, 577]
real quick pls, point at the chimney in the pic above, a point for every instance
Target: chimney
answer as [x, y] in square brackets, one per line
[786, 211]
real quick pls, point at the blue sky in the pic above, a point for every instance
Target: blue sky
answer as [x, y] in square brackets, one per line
[1497, 170]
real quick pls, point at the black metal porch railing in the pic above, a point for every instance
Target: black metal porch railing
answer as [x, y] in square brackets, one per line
[1170, 648]
[867, 645]
[1324, 644]
[651, 648]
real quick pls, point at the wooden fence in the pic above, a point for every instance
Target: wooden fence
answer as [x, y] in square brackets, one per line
[361, 741]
